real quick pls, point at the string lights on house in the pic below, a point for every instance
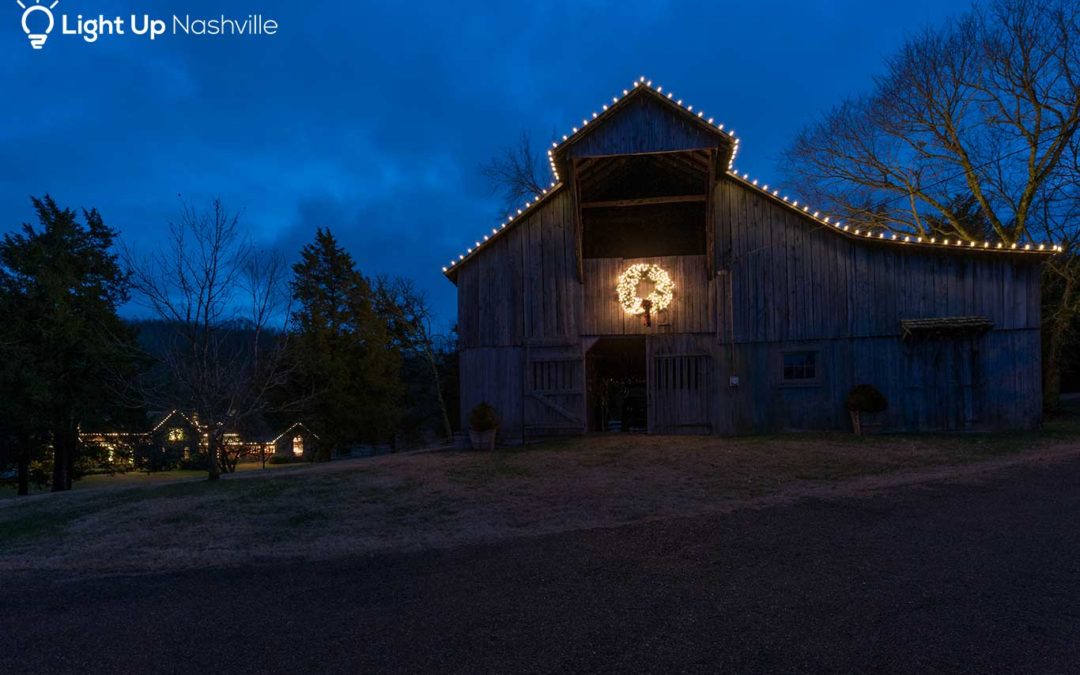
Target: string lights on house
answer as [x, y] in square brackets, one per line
[745, 178]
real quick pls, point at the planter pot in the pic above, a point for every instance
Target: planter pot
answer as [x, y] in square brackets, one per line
[865, 424]
[856, 422]
[482, 440]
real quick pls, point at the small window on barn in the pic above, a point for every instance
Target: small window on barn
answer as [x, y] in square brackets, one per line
[176, 434]
[298, 446]
[799, 367]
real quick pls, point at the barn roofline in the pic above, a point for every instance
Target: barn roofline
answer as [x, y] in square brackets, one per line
[522, 214]
[642, 87]
[904, 241]
[910, 241]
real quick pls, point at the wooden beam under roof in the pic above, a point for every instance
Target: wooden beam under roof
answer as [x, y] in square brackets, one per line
[644, 201]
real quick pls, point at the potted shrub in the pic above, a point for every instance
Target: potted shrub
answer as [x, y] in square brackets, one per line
[865, 399]
[483, 425]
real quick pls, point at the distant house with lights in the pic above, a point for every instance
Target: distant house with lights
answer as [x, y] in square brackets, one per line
[182, 437]
[654, 288]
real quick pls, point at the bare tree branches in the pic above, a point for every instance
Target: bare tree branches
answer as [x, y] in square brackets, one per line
[985, 109]
[226, 303]
[515, 173]
[972, 131]
[410, 317]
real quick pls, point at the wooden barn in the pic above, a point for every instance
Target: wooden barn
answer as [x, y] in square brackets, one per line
[654, 288]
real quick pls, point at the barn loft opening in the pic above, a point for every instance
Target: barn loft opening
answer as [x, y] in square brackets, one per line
[616, 384]
[643, 205]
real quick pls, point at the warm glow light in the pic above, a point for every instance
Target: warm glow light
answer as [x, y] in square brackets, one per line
[631, 278]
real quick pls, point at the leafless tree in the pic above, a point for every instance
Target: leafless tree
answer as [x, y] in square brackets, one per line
[410, 317]
[970, 132]
[516, 173]
[985, 107]
[1059, 213]
[226, 302]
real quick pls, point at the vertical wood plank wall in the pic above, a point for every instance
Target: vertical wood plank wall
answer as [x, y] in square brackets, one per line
[645, 125]
[520, 304]
[791, 284]
[692, 308]
[782, 283]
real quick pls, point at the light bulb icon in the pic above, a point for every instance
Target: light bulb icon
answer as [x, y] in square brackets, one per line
[37, 39]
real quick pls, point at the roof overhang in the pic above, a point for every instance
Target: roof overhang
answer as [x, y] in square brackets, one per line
[944, 327]
[893, 238]
[726, 139]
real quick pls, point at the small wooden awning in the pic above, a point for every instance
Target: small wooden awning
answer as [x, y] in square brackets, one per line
[944, 327]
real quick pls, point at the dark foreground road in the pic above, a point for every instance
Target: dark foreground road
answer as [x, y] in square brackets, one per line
[976, 578]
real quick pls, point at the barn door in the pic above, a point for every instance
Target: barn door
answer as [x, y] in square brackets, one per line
[554, 390]
[944, 384]
[679, 393]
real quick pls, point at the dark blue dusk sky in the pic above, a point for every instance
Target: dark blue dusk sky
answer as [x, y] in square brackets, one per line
[372, 119]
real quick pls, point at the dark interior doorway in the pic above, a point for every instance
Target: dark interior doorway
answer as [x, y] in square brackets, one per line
[639, 206]
[618, 395]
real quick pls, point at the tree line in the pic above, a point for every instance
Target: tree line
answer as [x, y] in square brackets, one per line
[240, 341]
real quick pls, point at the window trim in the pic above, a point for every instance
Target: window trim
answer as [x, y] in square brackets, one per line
[779, 379]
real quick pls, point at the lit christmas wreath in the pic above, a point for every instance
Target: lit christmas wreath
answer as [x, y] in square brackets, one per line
[657, 301]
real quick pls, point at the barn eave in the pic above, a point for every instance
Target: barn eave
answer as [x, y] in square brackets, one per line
[558, 153]
[450, 271]
[557, 156]
[898, 239]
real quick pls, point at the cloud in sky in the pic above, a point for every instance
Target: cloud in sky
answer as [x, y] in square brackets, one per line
[372, 118]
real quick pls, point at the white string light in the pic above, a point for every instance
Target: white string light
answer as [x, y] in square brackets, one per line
[627, 285]
[669, 96]
[836, 224]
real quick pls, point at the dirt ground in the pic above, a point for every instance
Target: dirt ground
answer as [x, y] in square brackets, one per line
[978, 577]
[441, 500]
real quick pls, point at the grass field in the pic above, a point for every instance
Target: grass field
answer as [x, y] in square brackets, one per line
[401, 502]
[137, 478]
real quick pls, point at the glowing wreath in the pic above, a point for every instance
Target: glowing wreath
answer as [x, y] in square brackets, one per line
[663, 287]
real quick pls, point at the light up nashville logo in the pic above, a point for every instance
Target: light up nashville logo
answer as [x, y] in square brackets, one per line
[38, 21]
[32, 25]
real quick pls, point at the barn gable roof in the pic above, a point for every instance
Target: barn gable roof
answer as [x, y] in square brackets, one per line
[699, 127]
[643, 120]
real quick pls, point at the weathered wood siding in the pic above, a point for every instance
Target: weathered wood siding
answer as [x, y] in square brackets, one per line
[783, 282]
[494, 375]
[984, 384]
[681, 382]
[787, 283]
[644, 125]
[554, 390]
[524, 286]
[692, 309]
[792, 279]
[522, 292]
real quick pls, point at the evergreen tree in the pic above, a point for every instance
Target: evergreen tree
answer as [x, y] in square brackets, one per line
[344, 368]
[61, 285]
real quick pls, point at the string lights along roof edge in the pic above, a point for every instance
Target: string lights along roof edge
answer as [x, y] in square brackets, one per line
[908, 240]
